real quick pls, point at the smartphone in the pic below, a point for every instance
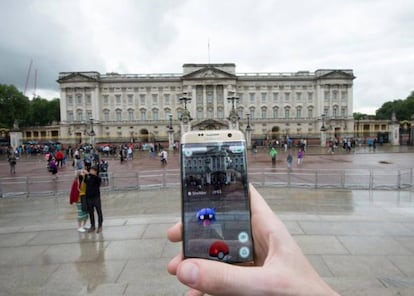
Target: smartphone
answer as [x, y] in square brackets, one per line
[215, 196]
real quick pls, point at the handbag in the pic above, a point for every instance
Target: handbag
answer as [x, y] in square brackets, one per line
[84, 203]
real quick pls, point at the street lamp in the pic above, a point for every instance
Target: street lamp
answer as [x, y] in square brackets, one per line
[92, 132]
[248, 120]
[185, 99]
[170, 118]
[323, 128]
[232, 98]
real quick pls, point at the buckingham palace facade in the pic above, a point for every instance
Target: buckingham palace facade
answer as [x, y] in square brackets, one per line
[116, 107]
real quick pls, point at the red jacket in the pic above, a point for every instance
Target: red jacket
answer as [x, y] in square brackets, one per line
[74, 192]
[59, 155]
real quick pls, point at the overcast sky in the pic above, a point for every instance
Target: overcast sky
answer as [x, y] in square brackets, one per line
[375, 38]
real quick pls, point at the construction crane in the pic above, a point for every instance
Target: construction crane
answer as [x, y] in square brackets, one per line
[29, 72]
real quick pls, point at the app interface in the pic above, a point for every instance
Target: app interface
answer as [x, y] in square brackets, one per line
[216, 213]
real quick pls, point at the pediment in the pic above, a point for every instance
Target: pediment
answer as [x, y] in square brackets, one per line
[337, 74]
[209, 73]
[210, 124]
[76, 77]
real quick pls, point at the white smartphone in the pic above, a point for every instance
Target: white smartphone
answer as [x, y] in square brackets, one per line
[215, 196]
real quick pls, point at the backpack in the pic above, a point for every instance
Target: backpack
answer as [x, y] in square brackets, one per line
[79, 165]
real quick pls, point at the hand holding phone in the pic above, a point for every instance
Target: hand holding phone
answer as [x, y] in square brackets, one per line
[215, 196]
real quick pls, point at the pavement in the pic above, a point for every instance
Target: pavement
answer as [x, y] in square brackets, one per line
[361, 242]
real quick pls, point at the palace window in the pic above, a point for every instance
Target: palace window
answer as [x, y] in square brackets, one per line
[252, 98]
[88, 99]
[118, 114]
[130, 99]
[130, 114]
[143, 114]
[154, 99]
[298, 112]
[70, 100]
[275, 97]
[264, 113]
[287, 97]
[310, 97]
[310, 113]
[275, 112]
[79, 99]
[334, 111]
[298, 96]
[264, 97]
[287, 113]
[118, 99]
[167, 99]
[220, 113]
[70, 116]
[154, 114]
[209, 93]
[106, 99]
[142, 99]
[79, 114]
[106, 115]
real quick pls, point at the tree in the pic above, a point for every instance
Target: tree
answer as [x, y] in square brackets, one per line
[14, 106]
[43, 112]
[359, 116]
[404, 109]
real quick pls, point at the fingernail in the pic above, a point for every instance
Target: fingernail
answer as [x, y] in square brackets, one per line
[189, 273]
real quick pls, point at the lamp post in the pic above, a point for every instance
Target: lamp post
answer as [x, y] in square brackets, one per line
[248, 132]
[248, 121]
[170, 134]
[92, 132]
[185, 117]
[323, 131]
[233, 116]
[232, 98]
[184, 98]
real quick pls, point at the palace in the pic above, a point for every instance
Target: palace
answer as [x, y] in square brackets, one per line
[116, 107]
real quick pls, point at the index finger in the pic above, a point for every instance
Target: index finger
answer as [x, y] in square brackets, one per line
[175, 233]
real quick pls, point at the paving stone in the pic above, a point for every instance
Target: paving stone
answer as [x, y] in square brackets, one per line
[378, 245]
[360, 266]
[319, 244]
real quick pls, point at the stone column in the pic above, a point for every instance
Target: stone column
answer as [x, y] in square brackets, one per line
[395, 131]
[249, 137]
[323, 138]
[170, 139]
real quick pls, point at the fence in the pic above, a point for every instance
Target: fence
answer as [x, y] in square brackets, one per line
[368, 179]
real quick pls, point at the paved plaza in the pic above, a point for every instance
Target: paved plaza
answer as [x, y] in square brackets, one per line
[361, 242]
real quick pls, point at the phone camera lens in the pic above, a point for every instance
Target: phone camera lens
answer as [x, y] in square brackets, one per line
[229, 135]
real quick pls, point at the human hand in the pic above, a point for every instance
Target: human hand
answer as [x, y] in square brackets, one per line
[280, 266]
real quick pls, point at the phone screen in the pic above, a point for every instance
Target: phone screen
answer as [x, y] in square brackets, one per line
[216, 205]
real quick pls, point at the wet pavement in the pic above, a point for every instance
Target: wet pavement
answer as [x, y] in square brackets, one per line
[361, 242]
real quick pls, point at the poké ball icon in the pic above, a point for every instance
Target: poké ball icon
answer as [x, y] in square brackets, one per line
[220, 250]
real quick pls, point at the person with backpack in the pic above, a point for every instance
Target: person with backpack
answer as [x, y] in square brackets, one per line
[12, 163]
[77, 164]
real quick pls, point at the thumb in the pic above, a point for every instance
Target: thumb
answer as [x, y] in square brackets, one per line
[219, 278]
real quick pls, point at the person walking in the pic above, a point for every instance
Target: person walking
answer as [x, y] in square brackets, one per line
[301, 154]
[77, 196]
[163, 157]
[289, 160]
[93, 198]
[273, 154]
[12, 163]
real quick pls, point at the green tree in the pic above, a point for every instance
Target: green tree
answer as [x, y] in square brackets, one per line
[359, 116]
[14, 106]
[404, 109]
[43, 112]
